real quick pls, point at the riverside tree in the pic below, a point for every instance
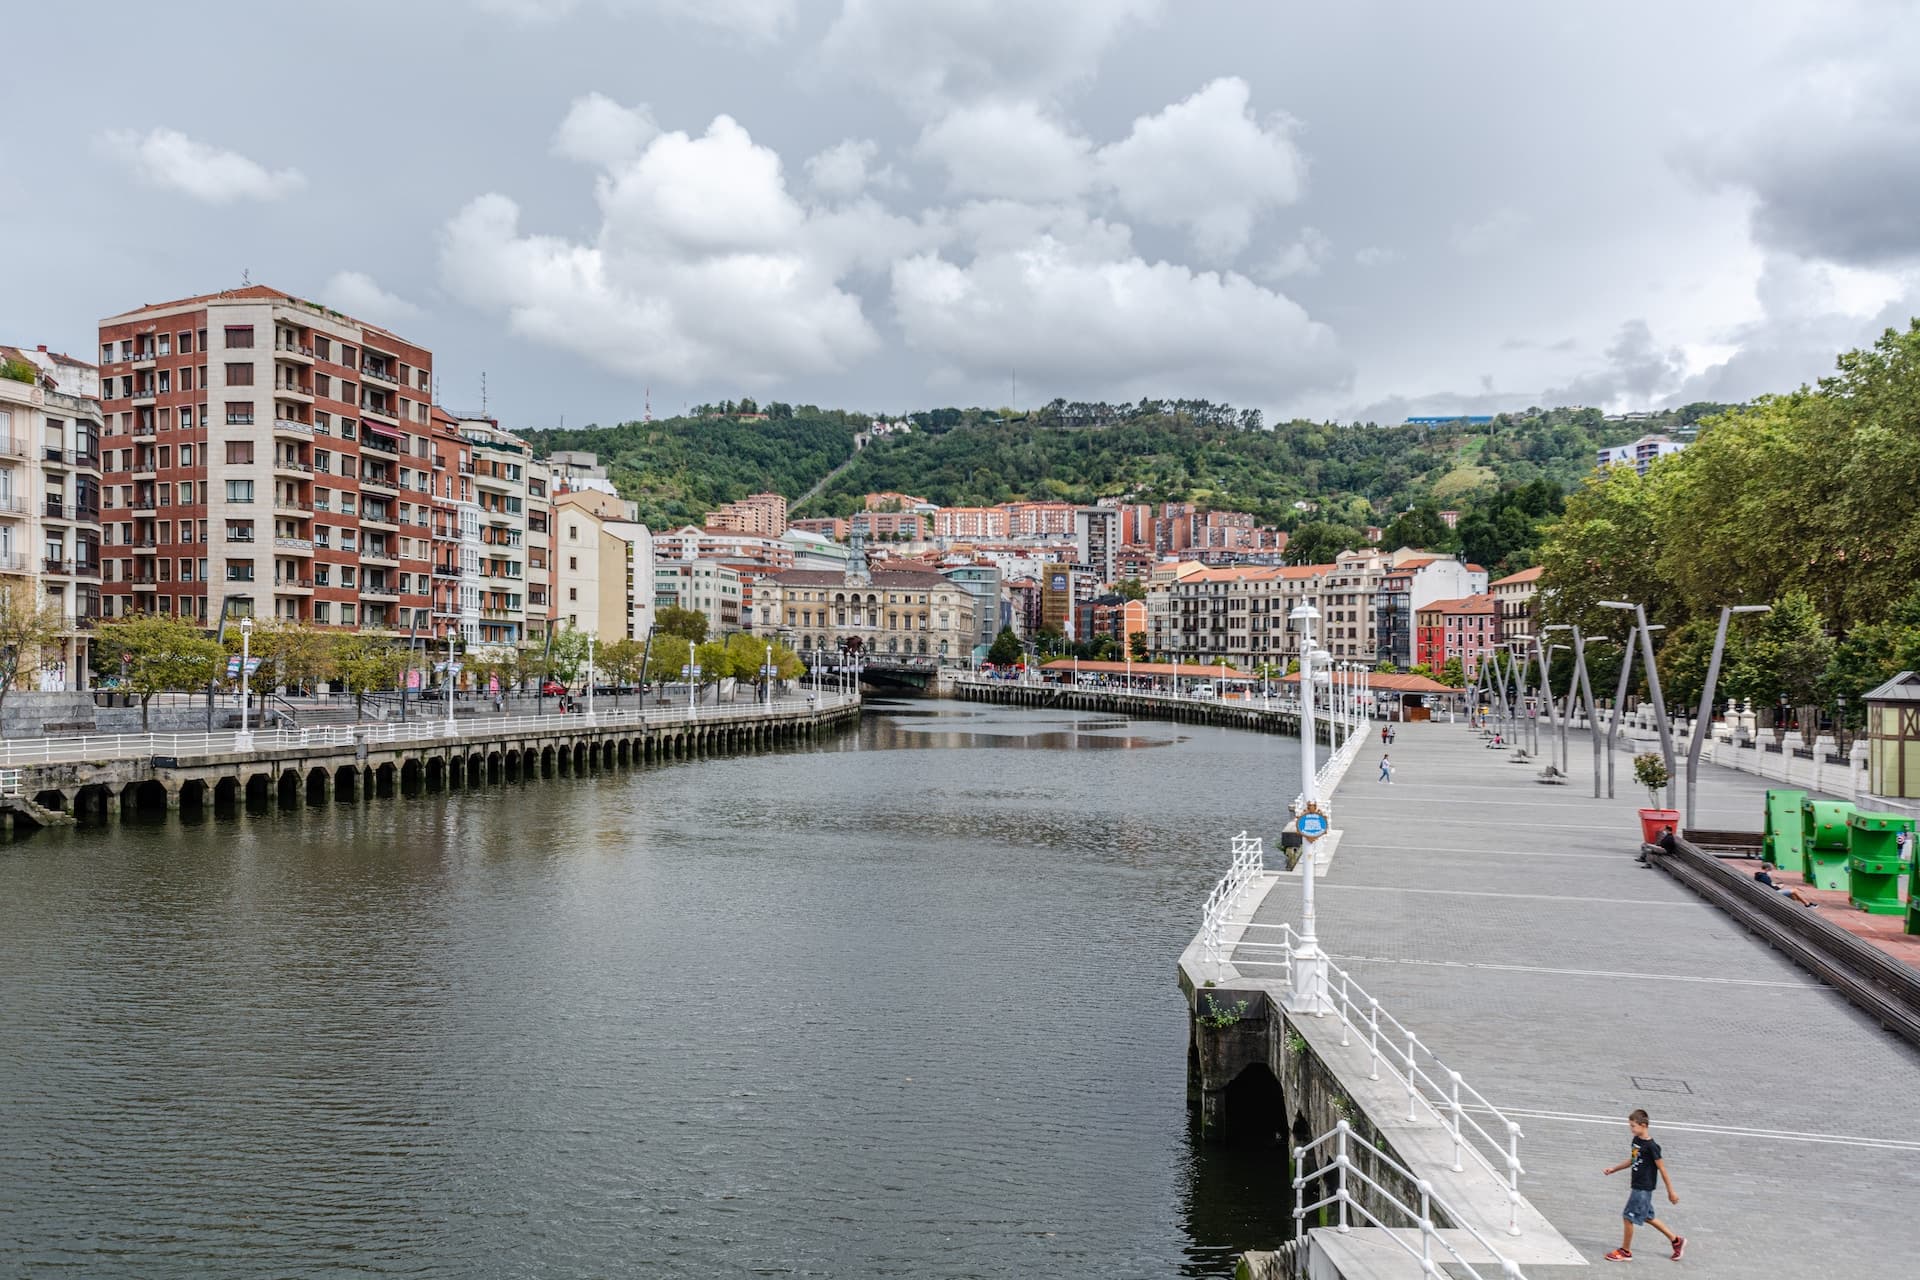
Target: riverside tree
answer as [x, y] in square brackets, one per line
[27, 632]
[366, 664]
[162, 655]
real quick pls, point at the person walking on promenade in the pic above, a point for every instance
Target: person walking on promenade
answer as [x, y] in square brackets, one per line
[1386, 769]
[1383, 735]
[1649, 1170]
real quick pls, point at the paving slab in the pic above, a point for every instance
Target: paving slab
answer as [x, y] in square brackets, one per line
[1511, 925]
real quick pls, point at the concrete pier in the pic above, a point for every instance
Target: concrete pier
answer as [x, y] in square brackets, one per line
[1260, 716]
[1510, 924]
[355, 764]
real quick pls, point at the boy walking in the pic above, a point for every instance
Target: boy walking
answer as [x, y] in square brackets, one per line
[1649, 1170]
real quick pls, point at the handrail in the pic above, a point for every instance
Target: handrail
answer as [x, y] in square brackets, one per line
[9, 782]
[1343, 1167]
[1248, 862]
[421, 729]
[1428, 1080]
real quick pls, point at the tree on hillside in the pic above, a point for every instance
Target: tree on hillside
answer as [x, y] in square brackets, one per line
[28, 629]
[1420, 527]
[1130, 589]
[1607, 547]
[688, 624]
[1319, 543]
[162, 655]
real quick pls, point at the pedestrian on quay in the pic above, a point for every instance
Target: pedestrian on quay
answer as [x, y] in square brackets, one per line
[1649, 1170]
[1392, 733]
[1386, 769]
[1383, 735]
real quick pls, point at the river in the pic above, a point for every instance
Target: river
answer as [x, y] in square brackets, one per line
[900, 1003]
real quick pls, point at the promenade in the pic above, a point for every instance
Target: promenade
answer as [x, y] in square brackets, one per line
[1510, 925]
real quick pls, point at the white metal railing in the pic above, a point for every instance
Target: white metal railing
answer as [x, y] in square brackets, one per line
[9, 782]
[1430, 1083]
[1328, 775]
[425, 728]
[1266, 702]
[1248, 863]
[1348, 1204]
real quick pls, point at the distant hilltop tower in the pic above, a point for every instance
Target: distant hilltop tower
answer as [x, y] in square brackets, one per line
[649, 409]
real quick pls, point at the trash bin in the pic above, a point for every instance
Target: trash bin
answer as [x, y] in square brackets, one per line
[1873, 861]
[1780, 833]
[1655, 821]
[1823, 842]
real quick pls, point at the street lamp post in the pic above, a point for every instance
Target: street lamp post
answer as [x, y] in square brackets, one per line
[590, 676]
[1559, 715]
[1703, 722]
[1309, 974]
[245, 741]
[1653, 686]
[1580, 686]
[448, 685]
[769, 677]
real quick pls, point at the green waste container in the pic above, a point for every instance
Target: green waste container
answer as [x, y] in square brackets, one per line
[1780, 833]
[1823, 842]
[1873, 861]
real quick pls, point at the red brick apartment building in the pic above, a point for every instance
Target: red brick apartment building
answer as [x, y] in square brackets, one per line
[268, 455]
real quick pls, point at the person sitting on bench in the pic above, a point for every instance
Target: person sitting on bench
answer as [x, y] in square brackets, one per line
[1765, 877]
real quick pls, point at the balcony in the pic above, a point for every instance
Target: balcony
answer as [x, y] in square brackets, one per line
[145, 359]
[446, 571]
[297, 546]
[388, 416]
[149, 469]
[12, 504]
[143, 396]
[142, 581]
[375, 373]
[381, 555]
[289, 426]
[56, 566]
[378, 519]
[293, 352]
[293, 586]
[379, 442]
[385, 484]
[383, 592]
[291, 467]
[293, 505]
[12, 447]
[11, 563]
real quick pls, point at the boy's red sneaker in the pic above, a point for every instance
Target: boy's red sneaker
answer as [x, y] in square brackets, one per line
[1620, 1255]
[1679, 1247]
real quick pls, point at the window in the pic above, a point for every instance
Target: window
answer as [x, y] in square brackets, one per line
[186, 571]
[186, 342]
[239, 452]
[239, 570]
[322, 575]
[239, 337]
[322, 609]
[239, 375]
[346, 615]
[186, 493]
[239, 415]
[573, 593]
[186, 455]
[186, 418]
[573, 562]
[186, 379]
[239, 491]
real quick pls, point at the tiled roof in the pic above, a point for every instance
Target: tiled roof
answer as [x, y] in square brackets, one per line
[1525, 575]
[898, 579]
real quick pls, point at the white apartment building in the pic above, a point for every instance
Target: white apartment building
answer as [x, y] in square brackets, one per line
[50, 427]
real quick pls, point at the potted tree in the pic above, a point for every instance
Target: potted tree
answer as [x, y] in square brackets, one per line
[1650, 771]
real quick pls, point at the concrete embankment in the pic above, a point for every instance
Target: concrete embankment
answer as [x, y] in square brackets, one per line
[160, 773]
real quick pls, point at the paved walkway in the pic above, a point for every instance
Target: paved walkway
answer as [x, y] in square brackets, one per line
[1510, 926]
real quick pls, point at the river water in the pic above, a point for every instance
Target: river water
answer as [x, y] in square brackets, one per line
[901, 1003]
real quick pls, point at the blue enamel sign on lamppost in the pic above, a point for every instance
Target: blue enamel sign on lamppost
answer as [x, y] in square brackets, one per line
[1312, 825]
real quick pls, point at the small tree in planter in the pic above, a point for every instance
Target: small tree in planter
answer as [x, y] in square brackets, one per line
[1650, 771]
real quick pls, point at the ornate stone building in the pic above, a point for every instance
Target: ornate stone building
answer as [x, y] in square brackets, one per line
[881, 612]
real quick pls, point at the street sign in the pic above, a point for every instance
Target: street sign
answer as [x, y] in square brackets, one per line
[1312, 825]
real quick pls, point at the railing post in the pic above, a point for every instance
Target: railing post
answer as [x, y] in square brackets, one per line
[1513, 1178]
[1413, 1092]
[1426, 1228]
[1345, 1004]
[1340, 1159]
[1373, 1037]
[1457, 1166]
[1299, 1184]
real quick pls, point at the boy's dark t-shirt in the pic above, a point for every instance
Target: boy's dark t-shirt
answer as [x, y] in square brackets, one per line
[1645, 1175]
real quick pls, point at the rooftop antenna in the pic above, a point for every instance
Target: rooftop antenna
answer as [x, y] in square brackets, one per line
[246, 278]
[649, 409]
[483, 393]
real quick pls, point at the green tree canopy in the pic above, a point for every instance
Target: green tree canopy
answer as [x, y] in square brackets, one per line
[28, 628]
[162, 655]
[689, 624]
[1006, 649]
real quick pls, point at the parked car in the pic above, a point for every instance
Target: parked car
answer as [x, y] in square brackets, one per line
[553, 689]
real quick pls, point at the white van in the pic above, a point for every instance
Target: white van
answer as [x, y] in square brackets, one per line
[1205, 691]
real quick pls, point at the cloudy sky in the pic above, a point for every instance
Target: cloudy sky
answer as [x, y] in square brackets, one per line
[1337, 209]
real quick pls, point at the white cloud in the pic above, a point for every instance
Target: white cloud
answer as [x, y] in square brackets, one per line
[1491, 233]
[1081, 319]
[934, 52]
[755, 19]
[599, 131]
[1306, 256]
[1012, 150]
[360, 295]
[168, 158]
[846, 168]
[1205, 164]
[1375, 256]
[704, 267]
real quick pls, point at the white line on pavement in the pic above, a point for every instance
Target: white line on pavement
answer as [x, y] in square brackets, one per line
[1325, 885]
[1579, 973]
[1504, 853]
[1720, 1130]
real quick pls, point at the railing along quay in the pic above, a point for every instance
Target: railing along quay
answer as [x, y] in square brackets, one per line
[135, 746]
